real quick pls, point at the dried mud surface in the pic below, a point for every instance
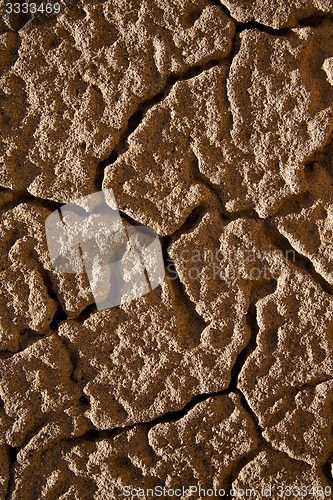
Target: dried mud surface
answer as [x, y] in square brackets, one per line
[212, 122]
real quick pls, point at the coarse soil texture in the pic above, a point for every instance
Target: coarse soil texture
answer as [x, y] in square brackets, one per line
[212, 123]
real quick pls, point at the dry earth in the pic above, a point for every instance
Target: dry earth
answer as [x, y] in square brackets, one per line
[213, 124]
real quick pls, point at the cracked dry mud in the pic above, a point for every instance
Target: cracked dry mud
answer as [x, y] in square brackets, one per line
[212, 122]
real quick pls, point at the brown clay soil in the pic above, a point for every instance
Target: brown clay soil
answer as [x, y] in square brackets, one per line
[212, 122]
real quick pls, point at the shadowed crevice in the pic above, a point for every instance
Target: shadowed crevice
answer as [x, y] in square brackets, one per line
[86, 312]
[191, 222]
[59, 316]
[315, 20]
[215, 189]
[25, 197]
[174, 416]
[170, 416]
[99, 176]
[127, 218]
[138, 116]
[5, 355]
[304, 263]
[254, 25]
[27, 338]
[258, 292]
[240, 464]
[197, 321]
[12, 453]
[322, 158]
[307, 22]
[327, 469]
[295, 204]
[247, 350]
[74, 357]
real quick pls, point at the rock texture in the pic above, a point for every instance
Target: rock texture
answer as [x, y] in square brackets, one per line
[278, 14]
[212, 123]
[31, 289]
[270, 115]
[272, 473]
[104, 61]
[147, 458]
